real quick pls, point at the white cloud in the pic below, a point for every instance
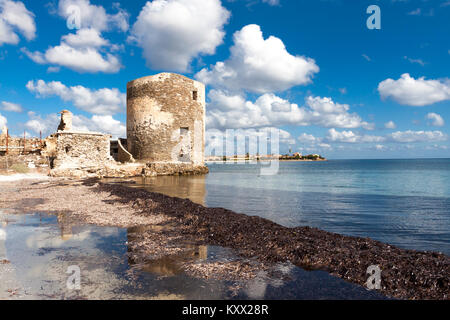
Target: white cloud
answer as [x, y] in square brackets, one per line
[6, 34]
[15, 17]
[95, 17]
[82, 60]
[36, 56]
[326, 105]
[418, 61]
[327, 113]
[416, 12]
[412, 92]
[420, 12]
[219, 142]
[437, 120]
[417, 136]
[86, 50]
[11, 107]
[365, 56]
[324, 146]
[3, 121]
[234, 111]
[437, 147]
[53, 69]
[313, 143]
[259, 65]
[102, 101]
[46, 125]
[97, 123]
[81, 52]
[36, 125]
[251, 3]
[174, 32]
[272, 2]
[397, 137]
[390, 125]
[351, 137]
[85, 38]
[308, 138]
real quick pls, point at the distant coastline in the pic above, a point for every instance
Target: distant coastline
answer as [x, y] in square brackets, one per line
[257, 158]
[262, 160]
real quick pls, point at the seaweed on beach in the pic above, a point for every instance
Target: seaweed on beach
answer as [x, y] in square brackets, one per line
[406, 274]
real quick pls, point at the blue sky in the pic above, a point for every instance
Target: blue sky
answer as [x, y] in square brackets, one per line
[310, 68]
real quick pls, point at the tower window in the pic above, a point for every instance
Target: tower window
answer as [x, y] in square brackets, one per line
[195, 95]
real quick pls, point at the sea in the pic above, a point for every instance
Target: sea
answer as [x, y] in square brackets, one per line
[401, 202]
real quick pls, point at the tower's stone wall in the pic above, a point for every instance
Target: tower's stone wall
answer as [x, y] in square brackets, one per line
[166, 119]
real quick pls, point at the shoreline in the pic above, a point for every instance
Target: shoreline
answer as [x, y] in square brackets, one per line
[263, 160]
[406, 274]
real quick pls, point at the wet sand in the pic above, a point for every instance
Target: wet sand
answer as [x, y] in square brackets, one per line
[168, 221]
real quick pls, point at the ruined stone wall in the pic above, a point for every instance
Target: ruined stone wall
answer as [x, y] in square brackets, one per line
[49, 147]
[16, 145]
[163, 112]
[81, 150]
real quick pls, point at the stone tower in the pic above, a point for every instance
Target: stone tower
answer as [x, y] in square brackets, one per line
[166, 119]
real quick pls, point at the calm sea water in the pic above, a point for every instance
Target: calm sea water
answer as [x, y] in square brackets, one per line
[401, 202]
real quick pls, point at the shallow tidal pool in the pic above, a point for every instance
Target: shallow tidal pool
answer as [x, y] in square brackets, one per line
[40, 258]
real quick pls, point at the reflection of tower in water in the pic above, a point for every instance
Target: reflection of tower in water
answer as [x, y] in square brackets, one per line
[171, 265]
[167, 265]
[3, 234]
[186, 187]
[2, 245]
[66, 228]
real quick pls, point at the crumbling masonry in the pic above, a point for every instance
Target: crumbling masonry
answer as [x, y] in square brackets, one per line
[166, 123]
[72, 151]
[165, 134]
